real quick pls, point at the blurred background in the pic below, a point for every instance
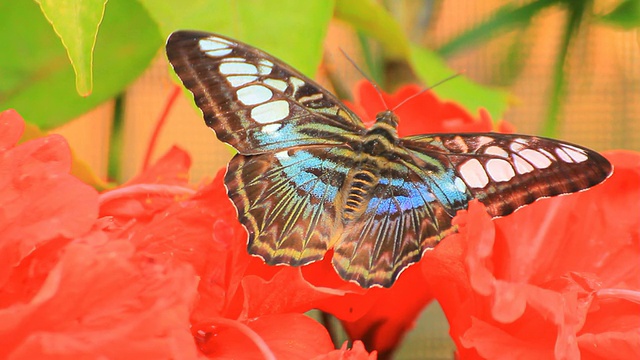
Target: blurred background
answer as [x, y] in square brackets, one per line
[568, 69]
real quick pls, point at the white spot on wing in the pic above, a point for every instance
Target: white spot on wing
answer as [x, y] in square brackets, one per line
[314, 97]
[522, 166]
[536, 158]
[270, 112]
[215, 47]
[265, 67]
[219, 52]
[500, 170]
[240, 80]
[474, 174]
[237, 68]
[219, 40]
[460, 185]
[483, 140]
[496, 150]
[254, 94]
[212, 44]
[235, 59]
[271, 128]
[549, 155]
[297, 83]
[282, 156]
[515, 147]
[563, 155]
[576, 154]
[277, 84]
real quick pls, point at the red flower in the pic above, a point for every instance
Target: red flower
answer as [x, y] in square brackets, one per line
[557, 279]
[152, 269]
[66, 289]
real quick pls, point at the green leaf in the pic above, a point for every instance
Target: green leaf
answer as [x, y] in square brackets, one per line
[506, 18]
[575, 14]
[76, 23]
[373, 19]
[293, 30]
[431, 68]
[626, 15]
[35, 75]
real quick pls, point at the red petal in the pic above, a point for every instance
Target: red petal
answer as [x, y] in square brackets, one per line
[286, 292]
[282, 336]
[39, 199]
[357, 352]
[172, 168]
[393, 312]
[159, 186]
[102, 299]
[493, 343]
[11, 128]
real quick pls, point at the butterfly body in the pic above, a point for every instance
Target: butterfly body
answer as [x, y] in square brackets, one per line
[309, 176]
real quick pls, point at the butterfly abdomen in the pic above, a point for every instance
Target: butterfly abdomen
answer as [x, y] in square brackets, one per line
[359, 185]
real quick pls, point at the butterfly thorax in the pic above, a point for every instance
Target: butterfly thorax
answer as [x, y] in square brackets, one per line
[382, 136]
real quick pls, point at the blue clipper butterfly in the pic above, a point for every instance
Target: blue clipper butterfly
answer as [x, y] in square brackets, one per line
[309, 176]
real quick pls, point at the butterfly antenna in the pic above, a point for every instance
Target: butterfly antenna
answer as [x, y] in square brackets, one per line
[375, 85]
[427, 89]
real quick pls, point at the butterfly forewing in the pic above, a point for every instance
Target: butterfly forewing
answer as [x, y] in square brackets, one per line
[310, 177]
[508, 171]
[253, 101]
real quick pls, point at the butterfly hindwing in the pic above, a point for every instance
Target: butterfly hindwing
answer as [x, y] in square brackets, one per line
[407, 213]
[253, 101]
[508, 171]
[286, 200]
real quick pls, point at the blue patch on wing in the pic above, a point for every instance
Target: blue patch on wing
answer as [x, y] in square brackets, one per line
[448, 191]
[398, 193]
[311, 173]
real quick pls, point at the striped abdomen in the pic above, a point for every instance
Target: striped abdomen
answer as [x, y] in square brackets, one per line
[359, 190]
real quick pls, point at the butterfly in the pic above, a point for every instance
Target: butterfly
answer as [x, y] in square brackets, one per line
[308, 175]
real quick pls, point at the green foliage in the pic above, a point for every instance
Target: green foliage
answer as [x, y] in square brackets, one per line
[372, 19]
[36, 77]
[430, 68]
[76, 23]
[63, 43]
[293, 30]
[626, 15]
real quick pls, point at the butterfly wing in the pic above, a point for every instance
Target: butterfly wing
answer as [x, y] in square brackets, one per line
[286, 200]
[508, 171]
[434, 176]
[409, 210]
[253, 101]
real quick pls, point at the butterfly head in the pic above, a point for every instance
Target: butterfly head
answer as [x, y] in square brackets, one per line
[387, 117]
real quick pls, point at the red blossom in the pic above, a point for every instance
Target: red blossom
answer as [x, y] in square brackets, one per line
[67, 291]
[159, 268]
[151, 269]
[557, 279]
[358, 352]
